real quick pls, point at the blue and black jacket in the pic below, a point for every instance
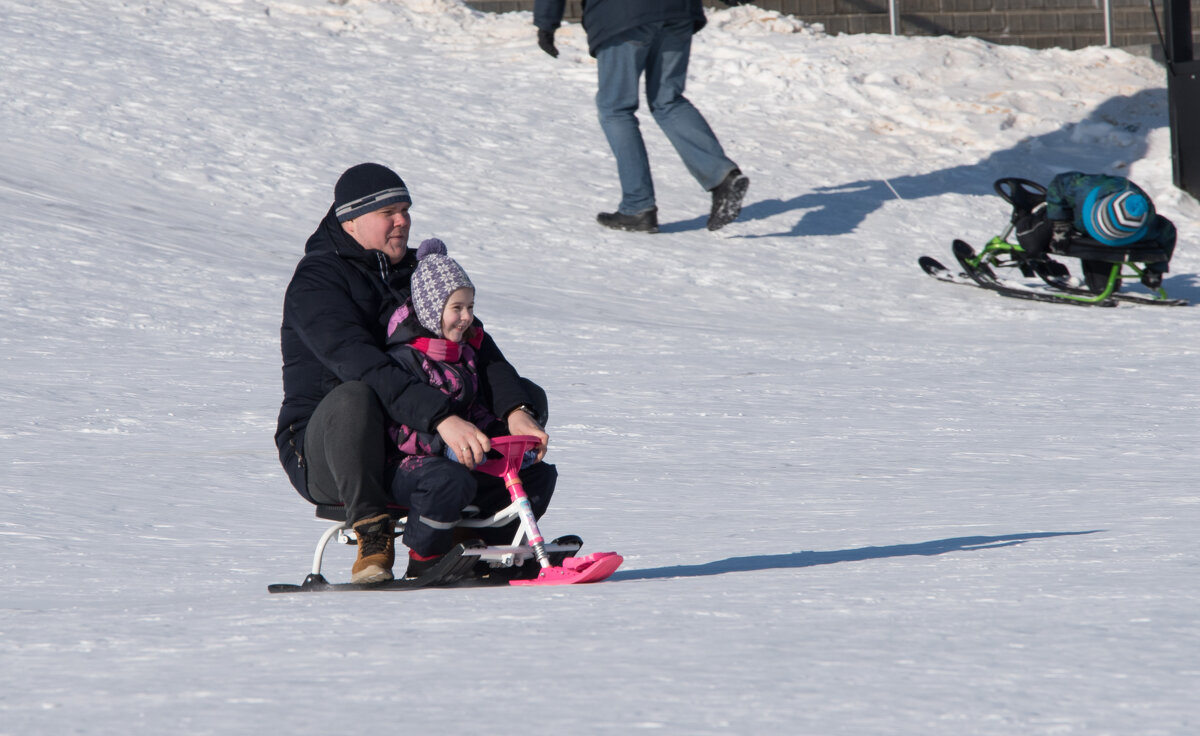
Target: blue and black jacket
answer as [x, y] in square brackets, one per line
[1067, 192]
[603, 20]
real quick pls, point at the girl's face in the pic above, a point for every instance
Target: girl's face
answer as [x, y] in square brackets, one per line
[458, 314]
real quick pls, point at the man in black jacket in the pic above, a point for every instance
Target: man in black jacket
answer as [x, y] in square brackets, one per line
[340, 387]
[651, 38]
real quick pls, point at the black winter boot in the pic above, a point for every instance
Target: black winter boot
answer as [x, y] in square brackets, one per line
[1096, 275]
[418, 565]
[643, 222]
[727, 199]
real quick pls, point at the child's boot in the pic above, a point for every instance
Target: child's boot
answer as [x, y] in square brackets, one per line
[420, 564]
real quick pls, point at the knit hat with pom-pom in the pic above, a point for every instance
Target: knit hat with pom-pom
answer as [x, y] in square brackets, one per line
[436, 278]
[1117, 218]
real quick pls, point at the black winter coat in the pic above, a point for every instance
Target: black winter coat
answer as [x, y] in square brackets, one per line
[334, 330]
[605, 19]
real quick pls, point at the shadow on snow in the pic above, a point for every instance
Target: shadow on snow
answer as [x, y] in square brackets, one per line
[809, 559]
[1105, 140]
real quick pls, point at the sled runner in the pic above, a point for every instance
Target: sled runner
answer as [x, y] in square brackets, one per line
[462, 564]
[1109, 265]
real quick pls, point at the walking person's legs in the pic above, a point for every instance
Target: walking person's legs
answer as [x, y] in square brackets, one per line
[619, 68]
[666, 76]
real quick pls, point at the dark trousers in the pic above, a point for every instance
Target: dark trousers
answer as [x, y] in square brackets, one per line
[345, 451]
[1033, 233]
[437, 490]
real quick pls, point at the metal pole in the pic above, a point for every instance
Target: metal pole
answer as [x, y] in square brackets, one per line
[894, 15]
[1178, 30]
[1183, 96]
[1108, 23]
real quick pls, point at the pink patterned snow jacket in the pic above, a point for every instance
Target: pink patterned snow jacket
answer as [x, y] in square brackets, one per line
[447, 366]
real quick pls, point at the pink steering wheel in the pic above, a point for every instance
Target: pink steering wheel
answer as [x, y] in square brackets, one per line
[513, 450]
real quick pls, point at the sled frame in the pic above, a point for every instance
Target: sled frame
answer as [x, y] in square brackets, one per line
[518, 552]
[1127, 262]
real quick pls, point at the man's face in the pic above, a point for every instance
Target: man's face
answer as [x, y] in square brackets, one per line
[384, 229]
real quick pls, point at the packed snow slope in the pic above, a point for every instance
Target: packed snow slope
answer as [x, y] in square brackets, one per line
[852, 500]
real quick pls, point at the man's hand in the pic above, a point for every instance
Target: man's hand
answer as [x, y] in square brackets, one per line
[546, 42]
[468, 443]
[521, 423]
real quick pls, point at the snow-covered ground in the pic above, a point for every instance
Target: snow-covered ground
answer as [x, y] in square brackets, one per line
[852, 500]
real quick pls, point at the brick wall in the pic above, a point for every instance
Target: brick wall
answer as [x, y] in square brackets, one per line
[1070, 24]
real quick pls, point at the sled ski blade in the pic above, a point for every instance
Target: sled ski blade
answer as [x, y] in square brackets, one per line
[327, 587]
[931, 266]
[1121, 296]
[982, 276]
[453, 569]
[1149, 300]
[973, 266]
[574, 570]
[934, 268]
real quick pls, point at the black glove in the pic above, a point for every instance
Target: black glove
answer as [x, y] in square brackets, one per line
[546, 42]
[1060, 232]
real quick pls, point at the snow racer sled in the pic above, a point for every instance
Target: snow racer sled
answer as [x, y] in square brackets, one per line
[1104, 266]
[462, 564]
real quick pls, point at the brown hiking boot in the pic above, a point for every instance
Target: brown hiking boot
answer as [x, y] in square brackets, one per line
[376, 550]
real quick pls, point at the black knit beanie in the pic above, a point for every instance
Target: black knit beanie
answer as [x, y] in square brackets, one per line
[365, 188]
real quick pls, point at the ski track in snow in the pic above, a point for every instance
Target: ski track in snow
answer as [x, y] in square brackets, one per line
[852, 500]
